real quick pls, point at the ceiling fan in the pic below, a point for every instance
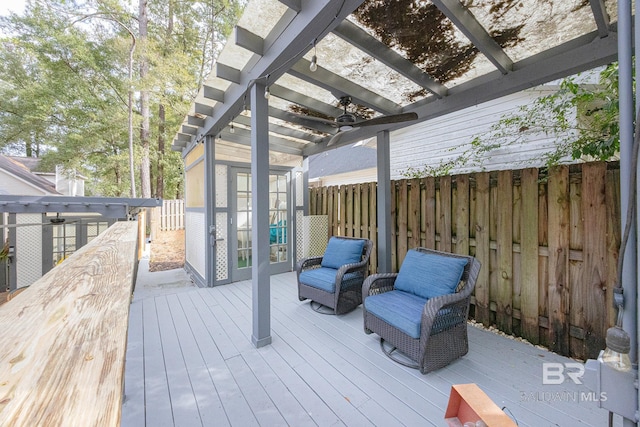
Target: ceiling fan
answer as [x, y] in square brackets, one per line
[348, 121]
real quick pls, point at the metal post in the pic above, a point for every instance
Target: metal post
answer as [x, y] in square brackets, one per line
[384, 202]
[305, 186]
[627, 113]
[260, 275]
[209, 207]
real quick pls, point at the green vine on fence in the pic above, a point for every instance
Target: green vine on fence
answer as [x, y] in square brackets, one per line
[581, 118]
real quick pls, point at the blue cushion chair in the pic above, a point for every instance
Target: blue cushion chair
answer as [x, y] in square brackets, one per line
[334, 281]
[421, 311]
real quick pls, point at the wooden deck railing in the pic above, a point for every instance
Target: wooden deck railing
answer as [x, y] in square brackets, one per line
[63, 340]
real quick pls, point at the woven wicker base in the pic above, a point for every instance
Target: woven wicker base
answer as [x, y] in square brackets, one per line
[320, 308]
[397, 356]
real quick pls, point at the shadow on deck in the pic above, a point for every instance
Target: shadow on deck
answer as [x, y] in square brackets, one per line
[190, 362]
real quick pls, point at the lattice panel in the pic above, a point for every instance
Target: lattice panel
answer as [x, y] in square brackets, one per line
[221, 186]
[299, 235]
[315, 234]
[195, 241]
[28, 249]
[222, 247]
[299, 188]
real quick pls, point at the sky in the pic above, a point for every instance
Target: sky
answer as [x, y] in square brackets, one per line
[7, 6]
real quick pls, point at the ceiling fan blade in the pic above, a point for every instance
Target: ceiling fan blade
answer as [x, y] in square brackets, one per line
[331, 123]
[382, 120]
[335, 138]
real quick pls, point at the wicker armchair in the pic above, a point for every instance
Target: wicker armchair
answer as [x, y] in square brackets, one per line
[334, 280]
[430, 332]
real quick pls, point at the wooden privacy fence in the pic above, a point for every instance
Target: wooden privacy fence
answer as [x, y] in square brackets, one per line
[172, 215]
[548, 243]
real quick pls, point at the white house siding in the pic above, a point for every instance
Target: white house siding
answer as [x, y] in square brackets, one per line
[445, 138]
[355, 177]
[10, 184]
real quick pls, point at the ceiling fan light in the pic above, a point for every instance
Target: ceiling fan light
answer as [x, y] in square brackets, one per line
[345, 128]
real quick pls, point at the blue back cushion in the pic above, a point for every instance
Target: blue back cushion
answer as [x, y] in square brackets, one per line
[342, 251]
[429, 275]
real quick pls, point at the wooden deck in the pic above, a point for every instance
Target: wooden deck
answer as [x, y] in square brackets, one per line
[190, 362]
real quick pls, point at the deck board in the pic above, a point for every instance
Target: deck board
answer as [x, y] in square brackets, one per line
[319, 369]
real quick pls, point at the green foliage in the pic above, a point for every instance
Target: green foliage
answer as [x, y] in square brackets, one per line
[64, 83]
[581, 118]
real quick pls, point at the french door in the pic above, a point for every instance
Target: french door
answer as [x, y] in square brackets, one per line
[241, 225]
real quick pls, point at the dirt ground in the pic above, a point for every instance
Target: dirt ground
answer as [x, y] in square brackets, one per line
[167, 251]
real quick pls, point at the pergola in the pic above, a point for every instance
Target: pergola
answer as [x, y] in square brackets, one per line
[391, 57]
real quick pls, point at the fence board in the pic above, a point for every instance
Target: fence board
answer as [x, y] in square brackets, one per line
[350, 216]
[394, 234]
[414, 213]
[343, 210]
[529, 256]
[614, 236]
[482, 248]
[444, 218]
[595, 251]
[357, 210]
[575, 276]
[504, 252]
[401, 221]
[429, 216]
[462, 214]
[558, 197]
[373, 227]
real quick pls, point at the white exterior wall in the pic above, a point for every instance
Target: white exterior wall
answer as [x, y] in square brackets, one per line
[10, 184]
[356, 177]
[445, 138]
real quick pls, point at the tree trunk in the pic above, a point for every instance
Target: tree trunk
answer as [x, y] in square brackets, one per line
[161, 151]
[145, 173]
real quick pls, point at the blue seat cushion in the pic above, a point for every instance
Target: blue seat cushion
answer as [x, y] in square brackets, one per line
[429, 275]
[342, 251]
[325, 278]
[402, 310]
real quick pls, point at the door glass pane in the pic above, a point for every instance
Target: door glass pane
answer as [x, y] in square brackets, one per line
[278, 218]
[243, 224]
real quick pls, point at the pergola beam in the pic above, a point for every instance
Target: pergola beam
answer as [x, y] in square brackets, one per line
[470, 27]
[340, 86]
[359, 38]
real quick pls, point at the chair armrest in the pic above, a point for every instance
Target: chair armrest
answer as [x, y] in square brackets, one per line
[307, 263]
[378, 284]
[455, 305]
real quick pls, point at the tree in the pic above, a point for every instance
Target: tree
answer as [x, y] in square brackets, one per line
[65, 85]
[581, 117]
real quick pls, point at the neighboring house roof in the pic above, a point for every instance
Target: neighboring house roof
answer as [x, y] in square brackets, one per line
[31, 163]
[350, 158]
[20, 171]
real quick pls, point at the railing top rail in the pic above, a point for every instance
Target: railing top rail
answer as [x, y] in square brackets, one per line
[63, 341]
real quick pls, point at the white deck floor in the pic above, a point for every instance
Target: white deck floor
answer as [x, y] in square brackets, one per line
[190, 362]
